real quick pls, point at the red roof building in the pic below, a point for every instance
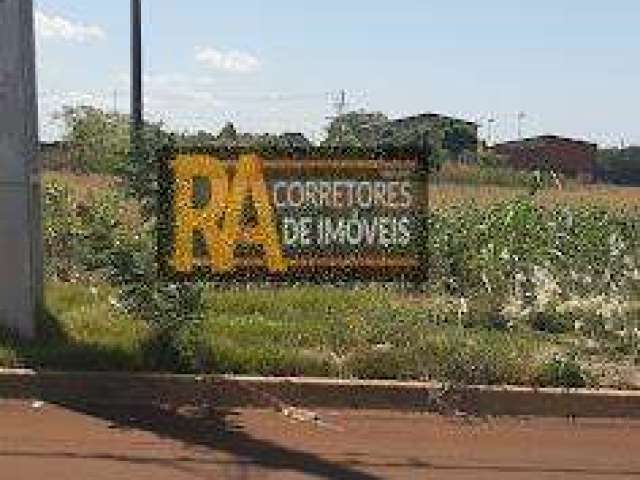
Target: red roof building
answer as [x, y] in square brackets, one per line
[573, 158]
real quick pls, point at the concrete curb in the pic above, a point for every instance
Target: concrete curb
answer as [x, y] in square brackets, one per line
[74, 388]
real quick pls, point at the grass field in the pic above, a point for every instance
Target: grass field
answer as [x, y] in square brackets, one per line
[608, 196]
[542, 292]
[370, 332]
[441, 194]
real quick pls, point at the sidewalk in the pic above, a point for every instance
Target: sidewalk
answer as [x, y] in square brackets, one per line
[103, 443]
[260, 392]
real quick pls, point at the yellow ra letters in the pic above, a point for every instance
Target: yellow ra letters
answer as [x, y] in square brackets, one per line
[225, 208]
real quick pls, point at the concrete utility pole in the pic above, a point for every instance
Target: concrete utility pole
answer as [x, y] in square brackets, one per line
[490, 122]
[20, 229]
[521, 117]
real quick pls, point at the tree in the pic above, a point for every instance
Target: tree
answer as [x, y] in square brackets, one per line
[200, 138]
[228, 134]
[458, 138]
[169, 308]
[101, 144]
[98, 141]
[356, 129]
[619, 166]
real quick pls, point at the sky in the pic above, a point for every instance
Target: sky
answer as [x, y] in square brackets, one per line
[572, 67]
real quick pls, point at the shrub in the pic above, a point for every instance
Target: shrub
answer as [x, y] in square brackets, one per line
[563, 372]
[203, 350]
[517, 245]
[88, 238]
[551, 322]
[486, 358]
[62, 232]
[79, 233]
[8, 354]
[99, 141]
[380, 362]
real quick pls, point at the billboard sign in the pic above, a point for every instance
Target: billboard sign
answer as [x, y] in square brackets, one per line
[323, 215]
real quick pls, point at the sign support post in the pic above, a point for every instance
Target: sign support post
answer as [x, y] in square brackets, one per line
[20, 224]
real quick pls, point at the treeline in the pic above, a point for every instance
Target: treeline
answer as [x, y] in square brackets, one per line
[620, 166]
[96, 141]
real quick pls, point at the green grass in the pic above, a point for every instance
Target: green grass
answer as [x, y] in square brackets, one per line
[306, 331]
[80, 331]
[8, 357]
[313, 331]
[492, 255]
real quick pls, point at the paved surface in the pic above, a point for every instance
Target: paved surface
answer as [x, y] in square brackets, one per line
[74, 442]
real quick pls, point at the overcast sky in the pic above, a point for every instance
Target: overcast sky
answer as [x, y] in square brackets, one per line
[573, 66]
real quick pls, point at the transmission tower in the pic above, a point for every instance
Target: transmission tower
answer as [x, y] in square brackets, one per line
[339, 103]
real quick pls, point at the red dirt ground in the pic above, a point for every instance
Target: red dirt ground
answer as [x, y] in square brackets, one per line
[78, 442]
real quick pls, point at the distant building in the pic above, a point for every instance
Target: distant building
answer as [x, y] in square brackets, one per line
[56, 156]
[571, 157]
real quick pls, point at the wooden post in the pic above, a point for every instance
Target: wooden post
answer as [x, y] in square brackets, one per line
[20, 230]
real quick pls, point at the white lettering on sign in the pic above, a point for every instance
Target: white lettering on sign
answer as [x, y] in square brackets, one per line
[342, 194]
[375, 214]
[324, 231]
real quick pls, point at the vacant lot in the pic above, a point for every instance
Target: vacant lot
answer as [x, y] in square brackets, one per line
[441, 194]
[541, 290]
[367, 332]
[609, 196]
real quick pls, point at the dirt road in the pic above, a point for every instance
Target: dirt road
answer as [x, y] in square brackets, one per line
[55, 443]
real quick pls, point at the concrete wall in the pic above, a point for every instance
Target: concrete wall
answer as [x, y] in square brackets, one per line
[20, 250]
